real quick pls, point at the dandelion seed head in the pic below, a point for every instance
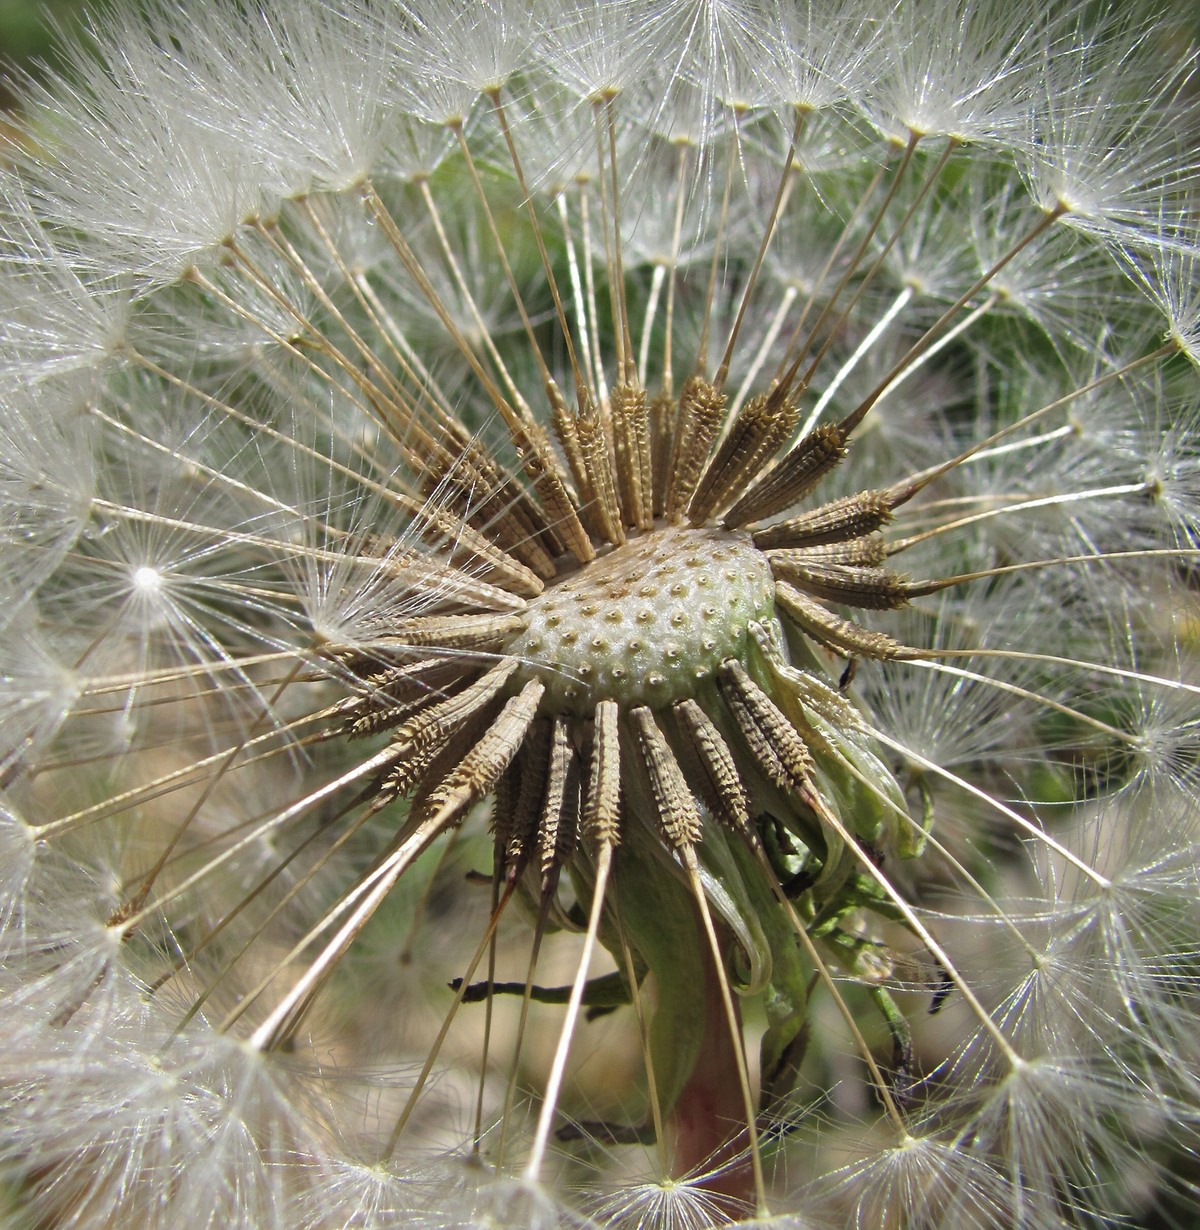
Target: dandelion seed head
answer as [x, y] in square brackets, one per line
[547, 545]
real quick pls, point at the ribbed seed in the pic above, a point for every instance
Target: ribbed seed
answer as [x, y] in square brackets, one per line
[420, 768]
[506, 821]
[434, 724]
[793, 478]
[471, 632]
[631, 434]
[713, 766]
[602, 801]
[563, 423]
[567, 530]
[534, 764]
[841, 635]
[393, 694]
[482, 766]
[871, 589]
[489, 499]
[673, 798]
[759, 429]
[558, 829]
[467, 546]
[860, 552]
[663, 413]
[701, 411]
[770, 738]
[422, 574]
[850, 517]
[540, 467]
[602, 509]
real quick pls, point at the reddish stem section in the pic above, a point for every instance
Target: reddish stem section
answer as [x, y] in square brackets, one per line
[706, 1129]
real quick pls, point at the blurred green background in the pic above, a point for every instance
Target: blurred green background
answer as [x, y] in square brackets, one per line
[27, 35]
[23, 25]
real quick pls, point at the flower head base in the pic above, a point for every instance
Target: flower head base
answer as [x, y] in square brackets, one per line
[475, 480]
[647, 624]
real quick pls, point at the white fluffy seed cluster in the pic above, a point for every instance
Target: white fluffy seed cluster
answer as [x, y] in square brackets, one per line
[648, 622]
[254, 307]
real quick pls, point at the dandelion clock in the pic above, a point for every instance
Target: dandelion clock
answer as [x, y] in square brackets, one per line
[599, 618]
